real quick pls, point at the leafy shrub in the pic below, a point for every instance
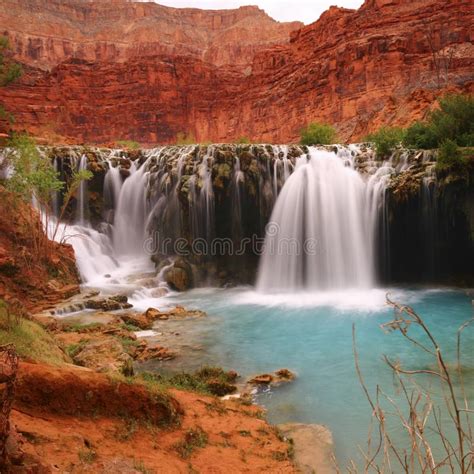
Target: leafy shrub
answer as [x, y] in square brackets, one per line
[128, 144]
[243, 141]
[318, 134]
[386, 139]
[193, 439]
[9, 70]
[33, 173]
[420, 135]
[454, 120]
[450, 158]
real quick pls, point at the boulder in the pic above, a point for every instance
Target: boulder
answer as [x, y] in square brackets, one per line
[105, 355]
[139, 320]
[313, 447]
[179, 276]
[144, 352]
[263, 379]
[113, 303]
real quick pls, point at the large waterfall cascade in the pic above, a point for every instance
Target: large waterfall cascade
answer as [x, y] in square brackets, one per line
[322, 231]
[326, 206]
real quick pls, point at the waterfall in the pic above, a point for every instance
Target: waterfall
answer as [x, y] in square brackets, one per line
[320, 235]
[131, 214]
[55, 194]
[82, 194]
[112, 186]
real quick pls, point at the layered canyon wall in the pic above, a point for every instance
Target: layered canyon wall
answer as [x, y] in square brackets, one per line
[98, 72]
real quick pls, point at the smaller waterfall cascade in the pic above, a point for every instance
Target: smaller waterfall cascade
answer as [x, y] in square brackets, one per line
[320, 235]
[82, 201]
[131, 214]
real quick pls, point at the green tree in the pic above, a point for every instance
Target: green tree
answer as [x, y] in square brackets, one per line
[451, 159]
[318, 134]
[454, 120]
[420, 135]
[34, 178]
[9, 71]
[386, 139]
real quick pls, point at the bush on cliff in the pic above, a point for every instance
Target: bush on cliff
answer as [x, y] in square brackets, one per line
[450, 159]
[420, 135]
[454, 120]
[9, 71]
[386, 139]
[318, 134]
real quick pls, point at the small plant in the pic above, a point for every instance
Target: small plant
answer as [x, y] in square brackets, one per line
[193, 439]
[279, 456]
[243, 141]
[87, 456]
[10, 315]
[386, 139]
[139, 466]
[424, 421]
[128, 144]
[318, 134]
[127, 430]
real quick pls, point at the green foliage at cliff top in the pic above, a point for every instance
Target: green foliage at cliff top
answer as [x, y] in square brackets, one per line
[318, 134]
[128, 144]
[386, 139]
[454, 121]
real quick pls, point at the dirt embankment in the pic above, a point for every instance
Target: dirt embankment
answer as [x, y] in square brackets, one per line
[71, 419]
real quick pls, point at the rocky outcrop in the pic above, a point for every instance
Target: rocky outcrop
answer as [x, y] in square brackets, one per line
[45, 33]
[141, 71]
[35, 273]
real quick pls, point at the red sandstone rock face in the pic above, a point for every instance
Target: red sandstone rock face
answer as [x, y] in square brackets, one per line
[45, 33]
[162, 71]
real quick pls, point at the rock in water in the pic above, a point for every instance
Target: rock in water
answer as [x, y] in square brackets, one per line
[313, 447]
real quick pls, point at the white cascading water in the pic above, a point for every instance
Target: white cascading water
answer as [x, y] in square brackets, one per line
[323, 202]
[82, 193]
[131, 214]
[322, 230]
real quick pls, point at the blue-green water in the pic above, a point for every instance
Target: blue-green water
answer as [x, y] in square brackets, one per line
[312, 336]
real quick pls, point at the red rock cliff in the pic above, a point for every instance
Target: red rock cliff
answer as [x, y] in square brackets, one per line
[102, 71]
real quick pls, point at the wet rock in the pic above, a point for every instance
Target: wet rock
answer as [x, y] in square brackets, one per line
[113, 303]
[285, 374]
[179, 276]
[106, 355]
[280, 376]
[145, 352]
[179, 312]
[139, 320]
[263, 379]
[220, 388]
[313, 447]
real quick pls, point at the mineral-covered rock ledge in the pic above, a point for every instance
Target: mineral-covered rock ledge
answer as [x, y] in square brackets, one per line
[412, 189]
